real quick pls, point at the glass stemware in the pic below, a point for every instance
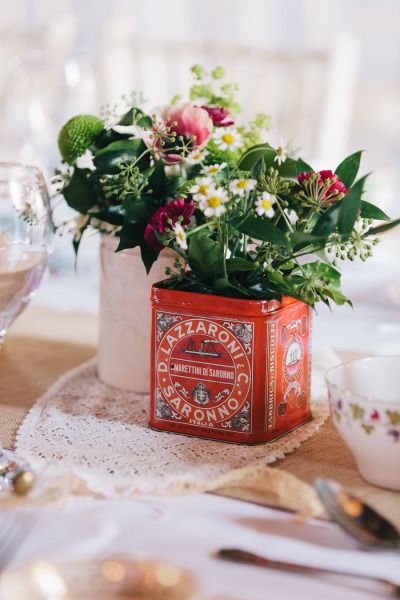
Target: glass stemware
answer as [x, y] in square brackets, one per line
[25, 238]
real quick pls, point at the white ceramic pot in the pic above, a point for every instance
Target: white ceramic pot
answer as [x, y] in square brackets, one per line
[125, 315]
[365, 407]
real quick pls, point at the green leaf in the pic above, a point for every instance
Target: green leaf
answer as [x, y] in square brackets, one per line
[289, 168]
[127, 119]
[348, 168]
[264, 289]
[326, 278]
[332, 288]
[382, 228]
[141, 119]
[115, 215]
[260, 229]
[258, 169]
[204, 253]
[350, 206]
[302, 167]
[157, 180]
[328, 221]
[277, 278]
[130, 236]
[79, 193]
[107, 137]
[234, 265]
[149, 256]
[370, 211]
[138, 210]
[108, 159]
[300, 240]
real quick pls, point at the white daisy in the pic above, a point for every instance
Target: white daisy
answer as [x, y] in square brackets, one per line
[228, 138]
[213, 169]
[180, 236]
[281, 153]
[201, 188]
[196, 157]
[213, 204]
[264, 205]
[292, 216]
[240, 186]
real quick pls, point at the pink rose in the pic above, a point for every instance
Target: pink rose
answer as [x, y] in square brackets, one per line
[165, 218]
[192, 123]
[220, 116]
[336, 190]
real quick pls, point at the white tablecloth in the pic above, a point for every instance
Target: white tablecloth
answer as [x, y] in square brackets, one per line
[187, 531]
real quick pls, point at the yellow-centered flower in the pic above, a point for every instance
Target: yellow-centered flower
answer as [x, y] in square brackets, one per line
[240, 187]
[227, 138]
[213, 204]
[264, 205]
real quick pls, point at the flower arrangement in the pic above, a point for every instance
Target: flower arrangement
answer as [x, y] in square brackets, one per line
[246, 219]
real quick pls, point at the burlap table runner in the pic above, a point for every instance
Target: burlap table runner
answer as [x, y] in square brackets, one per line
[44, 344]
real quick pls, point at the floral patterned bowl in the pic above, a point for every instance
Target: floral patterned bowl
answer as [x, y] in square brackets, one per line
[364, 398]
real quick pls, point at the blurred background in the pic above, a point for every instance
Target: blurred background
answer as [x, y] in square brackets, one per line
[327, 71]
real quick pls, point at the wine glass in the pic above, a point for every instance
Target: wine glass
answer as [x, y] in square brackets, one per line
[26, 233]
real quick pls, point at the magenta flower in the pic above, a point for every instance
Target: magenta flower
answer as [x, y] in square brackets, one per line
[165, 218]
[190, 122]
[220, 116]
[336, 191]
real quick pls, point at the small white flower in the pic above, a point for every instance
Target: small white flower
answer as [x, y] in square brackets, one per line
[292, 216]
[228, 138]
[196, 157]
[86, 161]
[213, 204]
[213, 169]
[180, 236]
[281, 153]
[240, 186]
[264, 205]
[201, 188]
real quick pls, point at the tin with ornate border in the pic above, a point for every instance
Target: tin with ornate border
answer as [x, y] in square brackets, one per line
[229, 369]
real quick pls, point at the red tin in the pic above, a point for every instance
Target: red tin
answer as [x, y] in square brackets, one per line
[229, 369]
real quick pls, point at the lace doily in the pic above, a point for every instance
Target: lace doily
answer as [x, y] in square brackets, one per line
[101, 434]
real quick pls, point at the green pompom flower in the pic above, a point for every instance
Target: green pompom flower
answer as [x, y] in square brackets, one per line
[77, 135]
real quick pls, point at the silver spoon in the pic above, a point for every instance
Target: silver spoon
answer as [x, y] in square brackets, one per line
[357, 518]
[242, 556]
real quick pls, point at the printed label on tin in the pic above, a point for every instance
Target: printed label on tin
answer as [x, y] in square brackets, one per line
[204, 371]
[287, 363]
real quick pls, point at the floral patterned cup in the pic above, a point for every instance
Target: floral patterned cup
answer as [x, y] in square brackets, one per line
[364, 398]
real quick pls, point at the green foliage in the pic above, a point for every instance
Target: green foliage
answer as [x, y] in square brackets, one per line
[204, 253]
[148, 255]
[108, 159]
[79, 193]
[130, 236]
[348, 169]
[370, 211]
[289, 168]
[350, 206]
[261, 229]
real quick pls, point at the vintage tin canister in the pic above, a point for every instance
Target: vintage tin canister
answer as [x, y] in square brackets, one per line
[229, 369]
